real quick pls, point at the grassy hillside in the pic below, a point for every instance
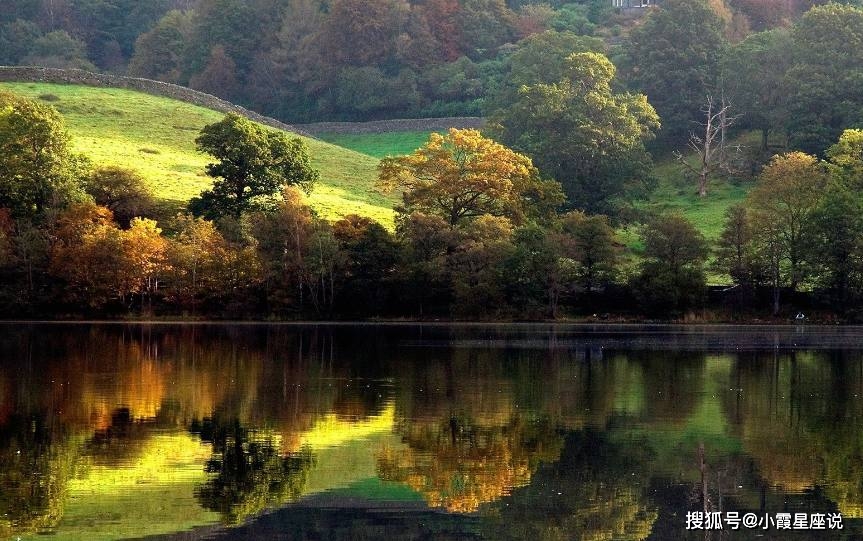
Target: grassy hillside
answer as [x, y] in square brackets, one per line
[676, 193]
[155, 136]
[379, 145]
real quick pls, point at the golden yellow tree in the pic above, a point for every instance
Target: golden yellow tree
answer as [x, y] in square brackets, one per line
[463, 175]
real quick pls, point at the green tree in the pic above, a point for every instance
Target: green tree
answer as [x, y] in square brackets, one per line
[674, 58]
[782, 205]
[370, 259]
[485, 25]
[837, 244]
[122, 191]
[58, 49]
[753, 73]
[826, 81]
[255, 164]
[16, 40]
[536, 273]
[463, 175]
[580, 132]
[541, 58]
[845, 159]
[735, 254]
[476, 268]
[248, 474]
[159, 51]
[671, 279]
[37, 168]
[589, 242]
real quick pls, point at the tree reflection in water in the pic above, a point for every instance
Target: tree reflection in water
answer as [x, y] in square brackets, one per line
[36, 464]
[248, 473]
[457, 464]
[597, 491]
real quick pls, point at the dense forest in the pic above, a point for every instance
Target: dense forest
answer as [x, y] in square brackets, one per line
[520, 221]
[312, 60]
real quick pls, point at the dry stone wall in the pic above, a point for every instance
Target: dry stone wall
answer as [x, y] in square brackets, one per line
[149, 86]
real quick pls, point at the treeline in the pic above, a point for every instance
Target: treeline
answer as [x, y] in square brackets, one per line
[478, 235]
[312, 60]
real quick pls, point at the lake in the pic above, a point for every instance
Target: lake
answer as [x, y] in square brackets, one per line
[257, 431]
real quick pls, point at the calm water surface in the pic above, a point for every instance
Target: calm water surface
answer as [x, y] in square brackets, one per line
[533, 432]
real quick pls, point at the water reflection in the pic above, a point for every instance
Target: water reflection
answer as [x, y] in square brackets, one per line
[121, 431]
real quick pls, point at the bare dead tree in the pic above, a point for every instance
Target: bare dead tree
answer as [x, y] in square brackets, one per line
[709, 143]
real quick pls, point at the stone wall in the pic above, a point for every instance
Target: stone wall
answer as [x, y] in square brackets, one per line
[157, 88]
[32, 74]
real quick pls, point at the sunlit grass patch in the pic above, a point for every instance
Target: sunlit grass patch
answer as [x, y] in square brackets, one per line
[156, 137]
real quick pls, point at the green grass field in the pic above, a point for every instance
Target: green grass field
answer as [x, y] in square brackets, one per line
[156, 135]
[379, 145]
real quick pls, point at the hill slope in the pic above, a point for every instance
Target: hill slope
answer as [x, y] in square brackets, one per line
[155, 136]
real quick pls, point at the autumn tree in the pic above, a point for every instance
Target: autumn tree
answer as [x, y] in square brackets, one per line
[463, 175]
[254, 164]
[783, 203]
[219, 76]
[362, 32]
[580, 132]
[100, 262]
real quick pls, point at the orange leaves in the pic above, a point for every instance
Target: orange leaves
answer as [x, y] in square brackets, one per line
[102, 261]
[462, 175]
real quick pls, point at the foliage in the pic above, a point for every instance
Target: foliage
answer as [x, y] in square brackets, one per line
[674, 59]
[122, 191]
[58, 50]
[671, 279]
[37, 169]
[463, 175]
[589, 241]
[101, 263]
[158, 51]
[254, 165]
[752, 78]
[582, 133]
[826, 77]
[782, 203]
[249, 473]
